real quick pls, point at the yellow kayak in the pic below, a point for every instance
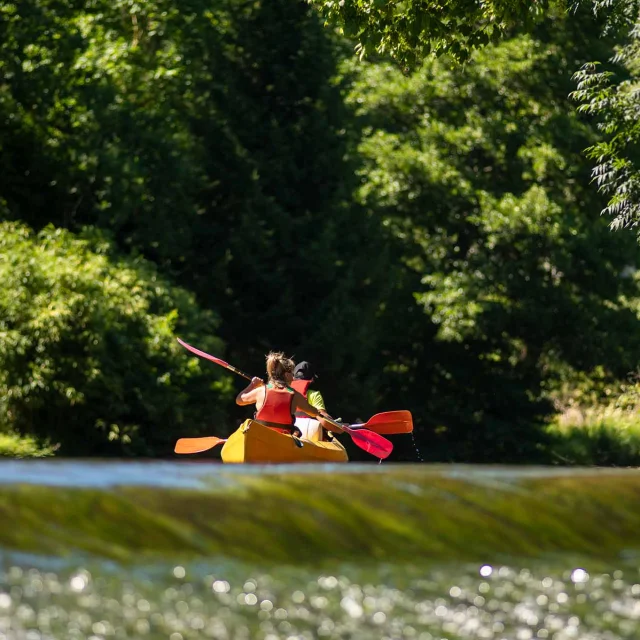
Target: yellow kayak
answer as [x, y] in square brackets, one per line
[253, 442]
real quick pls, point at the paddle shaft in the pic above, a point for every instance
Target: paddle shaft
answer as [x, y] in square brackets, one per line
[240, 373]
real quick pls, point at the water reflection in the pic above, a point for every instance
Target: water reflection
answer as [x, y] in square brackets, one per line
[186, 602]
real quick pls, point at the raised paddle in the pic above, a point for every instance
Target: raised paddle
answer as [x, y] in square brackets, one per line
[367, 440]
[388, 422]
[197, 445]
[222, 363]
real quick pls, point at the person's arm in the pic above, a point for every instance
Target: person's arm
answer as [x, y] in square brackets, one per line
[300, 404]
[249, 395]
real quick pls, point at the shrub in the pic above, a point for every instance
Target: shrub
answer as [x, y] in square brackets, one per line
[14, 446]
[88, 355]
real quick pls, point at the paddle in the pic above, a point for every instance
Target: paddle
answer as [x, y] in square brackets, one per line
[361, 438]
[222, 363]
[367, 440]
[388, 422]
[197, 445]
[371, 442]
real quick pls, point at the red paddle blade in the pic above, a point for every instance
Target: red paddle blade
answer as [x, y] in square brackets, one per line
[391, 422]
[202, 354]
[197, 445]
[371, 442]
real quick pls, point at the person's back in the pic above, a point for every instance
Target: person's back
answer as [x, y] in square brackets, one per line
[277, 403]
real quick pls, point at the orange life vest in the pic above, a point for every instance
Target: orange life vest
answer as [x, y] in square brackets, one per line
[277, 407]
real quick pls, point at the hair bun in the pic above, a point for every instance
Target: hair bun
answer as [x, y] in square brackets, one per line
[278, 365]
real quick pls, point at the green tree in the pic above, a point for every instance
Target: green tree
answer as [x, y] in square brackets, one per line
[614, 99]
[477, 173]
[214, 143]
[411, 30]
[88, 356]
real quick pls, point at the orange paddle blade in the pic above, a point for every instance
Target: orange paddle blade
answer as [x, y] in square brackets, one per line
[389, 422]
[197, 445]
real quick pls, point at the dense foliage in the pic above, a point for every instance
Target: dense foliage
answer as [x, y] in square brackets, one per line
[232, 175]
[478, 174]
[409, 31]
[13, 445]
[87, 354]
[615, 99]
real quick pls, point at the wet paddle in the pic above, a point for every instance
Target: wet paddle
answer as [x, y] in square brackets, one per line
[197, 445]
[367, 440]
[388, 422]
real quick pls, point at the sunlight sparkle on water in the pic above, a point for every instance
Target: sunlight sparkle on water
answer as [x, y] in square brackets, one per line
[78, 582]
[579, 575]
[548, 602]
[179, 572]
[221, 586]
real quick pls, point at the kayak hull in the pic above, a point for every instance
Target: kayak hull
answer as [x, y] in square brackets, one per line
[254, 443]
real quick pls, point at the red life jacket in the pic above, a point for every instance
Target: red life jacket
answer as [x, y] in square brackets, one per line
[277, 407]
[301, 386]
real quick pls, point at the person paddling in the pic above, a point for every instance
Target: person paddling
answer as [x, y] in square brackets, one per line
[303, 377]
[276, 402]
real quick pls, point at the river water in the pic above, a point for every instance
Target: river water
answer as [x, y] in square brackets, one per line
[97, 550]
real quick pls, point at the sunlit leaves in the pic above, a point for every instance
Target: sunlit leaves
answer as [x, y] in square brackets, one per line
[410, 30]
[87, 344]
[616, 105]
[478, 176]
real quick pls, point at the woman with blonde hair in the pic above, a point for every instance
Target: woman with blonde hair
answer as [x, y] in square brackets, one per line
[276, 402]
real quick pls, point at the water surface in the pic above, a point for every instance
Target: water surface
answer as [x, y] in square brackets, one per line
[178, 550]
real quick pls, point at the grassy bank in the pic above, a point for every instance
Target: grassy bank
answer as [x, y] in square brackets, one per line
[600, 427]
[600, 437]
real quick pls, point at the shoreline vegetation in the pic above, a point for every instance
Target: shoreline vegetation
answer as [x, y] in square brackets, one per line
[605, 434]
[602, 432]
